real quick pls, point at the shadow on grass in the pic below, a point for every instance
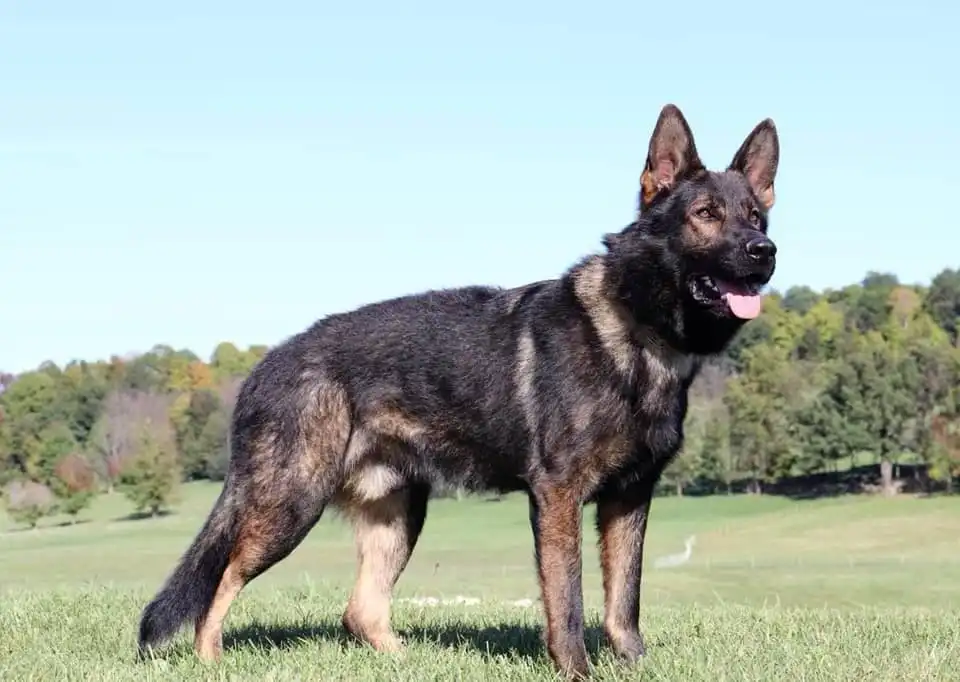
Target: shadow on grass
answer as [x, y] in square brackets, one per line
[281, 637]
[144, 515]
[510, 640]
[911, 479]
[70, 524]
[45, 526]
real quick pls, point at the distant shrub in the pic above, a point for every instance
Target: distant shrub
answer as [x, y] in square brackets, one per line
[27, 502]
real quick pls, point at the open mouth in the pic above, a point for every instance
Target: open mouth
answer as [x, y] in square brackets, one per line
[741, 299]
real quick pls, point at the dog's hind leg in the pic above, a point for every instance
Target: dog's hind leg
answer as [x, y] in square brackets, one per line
[267, 533]
[292, 471]
[386, 530]
[251, 527]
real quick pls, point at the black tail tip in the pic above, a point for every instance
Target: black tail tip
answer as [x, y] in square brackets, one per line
[152, 629]
[144, 653]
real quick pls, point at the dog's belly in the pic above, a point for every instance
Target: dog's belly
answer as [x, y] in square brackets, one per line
[392, 449]
[375, 480]
[476, 465]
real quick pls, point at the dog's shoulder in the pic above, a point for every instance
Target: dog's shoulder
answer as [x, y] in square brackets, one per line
[637, 350]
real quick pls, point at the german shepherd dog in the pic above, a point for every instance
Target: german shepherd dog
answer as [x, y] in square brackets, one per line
[572, 390]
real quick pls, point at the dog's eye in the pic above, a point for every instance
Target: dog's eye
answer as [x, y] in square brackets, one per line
[755, 217]
[705, 213]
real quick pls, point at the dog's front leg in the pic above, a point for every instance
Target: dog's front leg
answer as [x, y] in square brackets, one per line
[555, 516]
[622, 524]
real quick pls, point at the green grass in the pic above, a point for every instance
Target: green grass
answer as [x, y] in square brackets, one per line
[842, 589]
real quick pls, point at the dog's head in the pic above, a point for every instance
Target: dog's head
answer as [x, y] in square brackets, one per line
[700, 237]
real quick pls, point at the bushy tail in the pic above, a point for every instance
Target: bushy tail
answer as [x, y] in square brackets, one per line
[189, 591]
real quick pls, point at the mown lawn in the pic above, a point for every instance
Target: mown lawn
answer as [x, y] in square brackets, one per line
[841, 589]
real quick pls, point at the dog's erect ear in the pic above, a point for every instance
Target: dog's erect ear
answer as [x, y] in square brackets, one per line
[757, 159]
[672, 156]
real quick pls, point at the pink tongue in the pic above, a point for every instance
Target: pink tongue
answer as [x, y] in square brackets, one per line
[744, 306]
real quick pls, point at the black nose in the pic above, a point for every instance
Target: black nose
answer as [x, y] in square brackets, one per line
[761, 249]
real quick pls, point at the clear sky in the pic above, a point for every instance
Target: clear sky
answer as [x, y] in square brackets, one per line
[189, 172]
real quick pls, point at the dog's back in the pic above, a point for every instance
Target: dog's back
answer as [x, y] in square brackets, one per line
[438, 387]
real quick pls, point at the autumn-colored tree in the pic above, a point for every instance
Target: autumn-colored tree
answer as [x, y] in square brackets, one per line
[74, 484]
[945, 455]
[116, 435]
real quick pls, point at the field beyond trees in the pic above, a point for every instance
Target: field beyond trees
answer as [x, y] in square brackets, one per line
[854, 587]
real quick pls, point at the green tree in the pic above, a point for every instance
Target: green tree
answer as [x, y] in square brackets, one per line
[762, 401]
[156, 371]
[882, 404]
[871, 306]
[931, 375]
[28, 405]
[716, 458]
[800, 299]
[151, 477]
[56, 441]
[821, 332]
[942, 303]
[8, 466]
[683, 470]
[826, 433]
[256, 353]
[82, 387]
[190, 424]
[214, 440]
[229, 361]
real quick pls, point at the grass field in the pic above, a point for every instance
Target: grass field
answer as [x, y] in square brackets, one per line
[840, 589]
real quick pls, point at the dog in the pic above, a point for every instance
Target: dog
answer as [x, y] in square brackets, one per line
[571, 390]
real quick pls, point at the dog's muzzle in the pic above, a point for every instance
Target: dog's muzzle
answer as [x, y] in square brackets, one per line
[761, 250]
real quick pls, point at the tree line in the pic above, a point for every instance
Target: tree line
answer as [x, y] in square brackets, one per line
[139, 425]
[846, 388]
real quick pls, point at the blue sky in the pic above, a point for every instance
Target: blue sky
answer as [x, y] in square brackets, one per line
[191, 172]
